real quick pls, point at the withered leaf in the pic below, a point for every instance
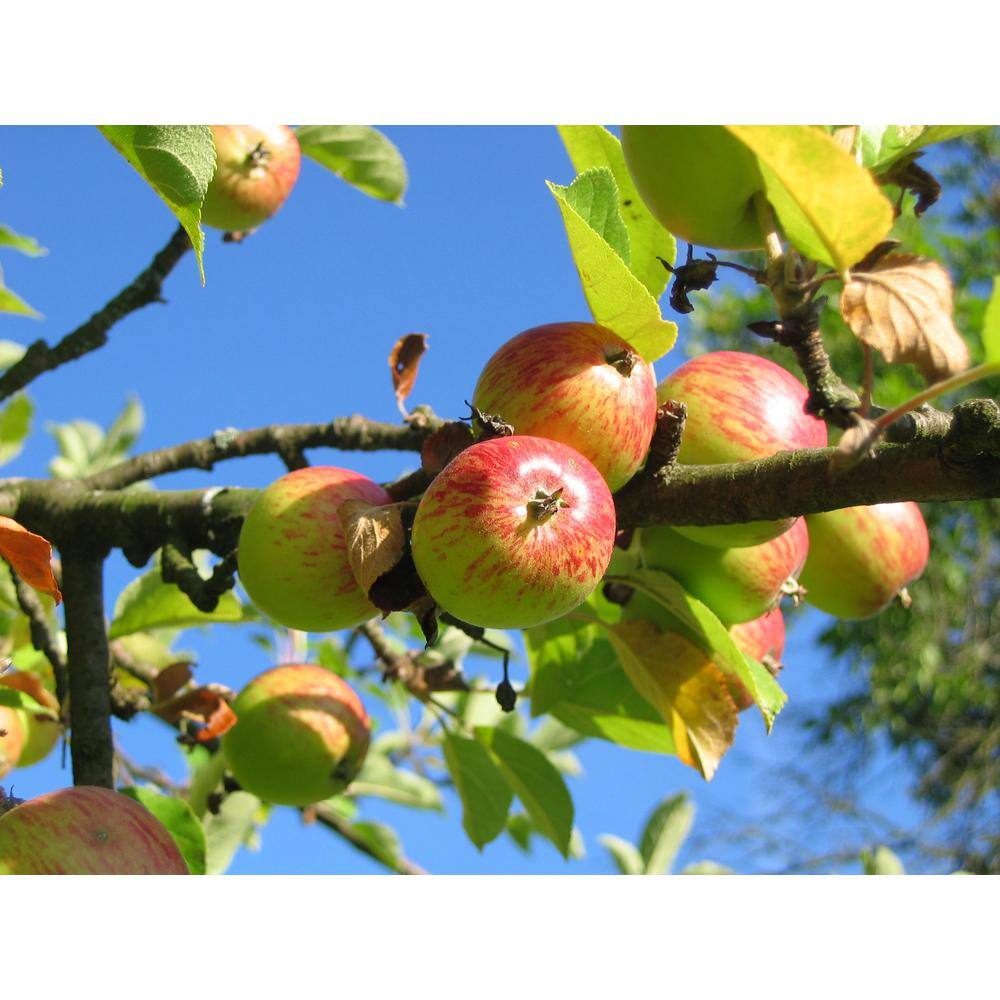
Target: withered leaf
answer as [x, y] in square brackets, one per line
[684, 686]
[443, 445]
[170, 680]
[375, 537]
[31, 684]
[30, 555]
[902, 307]
[206, 705]
[404, 361]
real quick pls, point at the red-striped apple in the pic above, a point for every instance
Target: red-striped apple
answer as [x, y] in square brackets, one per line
[86, 831]
[861, 557]
[737, 584]
[292, 555]
[740, 407]
[514, 532]
[577, 383]
[256, 168]
[301, 735]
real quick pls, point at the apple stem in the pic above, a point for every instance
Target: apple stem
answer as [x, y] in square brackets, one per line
[623, 361]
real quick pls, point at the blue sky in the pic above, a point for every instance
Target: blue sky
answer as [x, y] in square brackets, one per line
[295, 324]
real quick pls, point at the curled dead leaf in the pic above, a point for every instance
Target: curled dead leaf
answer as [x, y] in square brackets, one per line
[404, 362]
[684, 686]
[207, 706]
[30, 555]
[443, 445]
[902, 307]
[170, 680]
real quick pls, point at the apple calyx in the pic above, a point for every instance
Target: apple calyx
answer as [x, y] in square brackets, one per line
[623, 361]
[544, 505]
[258, 156]
[8, 802]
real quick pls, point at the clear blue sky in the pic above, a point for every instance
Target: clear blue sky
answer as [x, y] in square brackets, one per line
[295, 325]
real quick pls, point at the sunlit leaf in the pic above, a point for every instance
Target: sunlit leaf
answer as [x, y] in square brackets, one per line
[15, 426]
[665, 832]
[625, 856]
[26, 244]
[380, 778]
[227, 830]
[481, 785]
[617, 298]
[882, 861]
[180, 821]
[360, 155]
[991, 326]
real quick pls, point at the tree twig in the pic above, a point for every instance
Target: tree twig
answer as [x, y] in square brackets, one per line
[44, 639]
[332, 820]
[145, 289]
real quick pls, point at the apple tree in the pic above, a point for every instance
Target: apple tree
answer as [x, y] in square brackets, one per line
[639, 537]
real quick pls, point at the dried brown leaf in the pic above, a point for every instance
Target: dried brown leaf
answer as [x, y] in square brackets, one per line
[375, 537]
[30, 555]
[443, 445]
[902, 307]
[207, 706]
[170, 680]
[683, 684]
[404, 361]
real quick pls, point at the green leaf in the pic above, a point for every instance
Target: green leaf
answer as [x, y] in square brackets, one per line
[358, 154]
[11, 303]
[991, 326]
[227, 830]
[666, 830]
[10, 353]
[13, 698]
[536, 782]
[147, 602]
[85, 448]
[882, 861]
[617, 298]
[379, 778]
[123, 432]
[206, 770]
[884, 145]
[591, 146]
[15, 425]
[181, 823]
[699, 624]
[26, 244]
[576, 678]
[829, 207]
[381, 840]
[594, 197]
[177, 161]
[706, 868]
[624, 854]
[481, 786]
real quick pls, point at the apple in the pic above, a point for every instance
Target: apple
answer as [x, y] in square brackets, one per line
[740, 407]
[861, 557]
[256, 168]
[580, 384]
[737, 584]
[12, 739]
[760, 638]
[698, 181]
[301, 735]
[292, 555]
[514, 532]
[86, 831]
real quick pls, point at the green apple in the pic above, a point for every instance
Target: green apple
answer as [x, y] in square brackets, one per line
[292, 555]
[514, 532]
[861, 557]
[12, 738]
[580, 384]
[737, 584]
[86, 831]
[301, 735]
[698, 181]
[256, 168]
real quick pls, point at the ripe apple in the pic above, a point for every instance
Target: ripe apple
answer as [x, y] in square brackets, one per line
[698, 181]
[86, 831]
[29, 736]
[256, 168]
[764, 636]
[737, 584]
[740, 407]
[861, 557]
[580, 384]
[292, 555]
[301, 735]
[514, 532]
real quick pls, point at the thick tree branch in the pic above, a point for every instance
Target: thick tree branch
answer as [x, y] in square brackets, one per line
[40, 358]
[287, 440]
[89, 668]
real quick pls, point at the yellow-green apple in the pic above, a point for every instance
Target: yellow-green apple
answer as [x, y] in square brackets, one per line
[256, 168]
[740, 407]
[86, 831]
[292, 555]
[40, 729]
[514, 532]
[737, 584]
[578, 383]
[301, 735]
[861, 557]
[12, 738]
[698, 181]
